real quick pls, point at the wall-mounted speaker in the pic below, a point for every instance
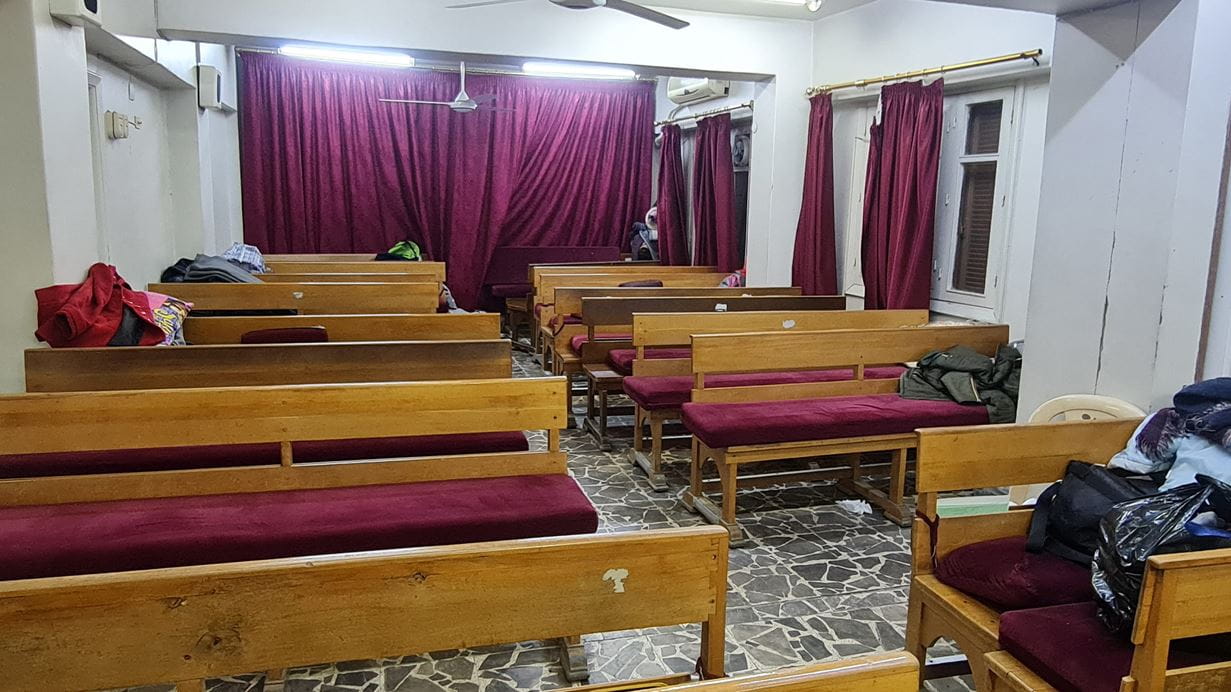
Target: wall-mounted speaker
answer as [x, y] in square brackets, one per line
[77, 12]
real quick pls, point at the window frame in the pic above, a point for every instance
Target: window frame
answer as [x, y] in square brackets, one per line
[945, 298]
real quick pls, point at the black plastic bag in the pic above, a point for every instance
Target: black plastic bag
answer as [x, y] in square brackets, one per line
[1159, 524]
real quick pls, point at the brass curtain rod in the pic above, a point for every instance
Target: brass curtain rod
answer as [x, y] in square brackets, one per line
[706, 114]
[1011, 57]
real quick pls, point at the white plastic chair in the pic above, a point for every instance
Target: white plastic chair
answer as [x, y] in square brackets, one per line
[1072, 407]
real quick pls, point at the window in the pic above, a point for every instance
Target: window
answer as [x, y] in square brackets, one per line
[972, 198]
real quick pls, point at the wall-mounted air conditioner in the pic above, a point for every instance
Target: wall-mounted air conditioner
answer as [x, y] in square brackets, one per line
[209, 87]
[686, 91]
[77, 12]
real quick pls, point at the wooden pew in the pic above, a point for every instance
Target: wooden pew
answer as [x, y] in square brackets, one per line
[185, 624]
[537, 273]
[656, 331]
[598, 361]
[342, 257]
[887, 672]
[436, 269]
[341, 278]
[958, 459]
[234, 365]
[309, 299]
[423, 327]
[549, 320]
[807, 351]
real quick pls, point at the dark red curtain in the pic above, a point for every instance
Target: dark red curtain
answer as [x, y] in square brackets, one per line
[899, 217]
[713, 196]
[815, 267]
[328, 168]
[672, 200]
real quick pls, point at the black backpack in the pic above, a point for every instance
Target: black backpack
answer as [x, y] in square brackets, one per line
[1067, 515]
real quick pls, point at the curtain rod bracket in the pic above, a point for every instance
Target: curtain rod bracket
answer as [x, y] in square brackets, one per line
[698, 116]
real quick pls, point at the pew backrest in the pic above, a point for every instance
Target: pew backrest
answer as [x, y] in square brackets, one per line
[646, 270]
[342, 278]
[308, 257]
[652, 330]
[422, 327]
[618, 311]
[511, 263]
[820, 350]
[309, 298]
[234, 365]
[437, 269]
[549, 284]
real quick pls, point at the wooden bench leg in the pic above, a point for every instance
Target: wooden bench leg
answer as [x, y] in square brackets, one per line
[603, 444]
[695, 500]
[696, 484]
[897, 489]
[652, 464]
[275, 680]
[573, 659]
[190, 686]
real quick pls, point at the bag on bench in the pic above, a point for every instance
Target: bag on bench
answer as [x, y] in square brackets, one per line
[1067, 515]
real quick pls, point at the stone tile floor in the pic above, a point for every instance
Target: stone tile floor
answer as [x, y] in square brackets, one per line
[815, 583]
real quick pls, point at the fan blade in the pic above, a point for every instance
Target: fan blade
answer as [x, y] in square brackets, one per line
[646, 13]
[422, 103]
[484, 98]
[484, 3]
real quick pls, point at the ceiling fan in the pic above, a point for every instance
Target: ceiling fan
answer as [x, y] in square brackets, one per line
[463, 103]
[618, 5]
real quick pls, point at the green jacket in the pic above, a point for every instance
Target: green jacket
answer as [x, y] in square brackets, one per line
[966, 376]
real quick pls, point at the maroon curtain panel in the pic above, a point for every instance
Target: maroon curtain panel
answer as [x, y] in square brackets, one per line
[815, 267]
[672, 200]
[899, 216]
[713, 196]
[328, 168]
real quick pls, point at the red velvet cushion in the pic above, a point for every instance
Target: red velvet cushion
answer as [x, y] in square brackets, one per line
[286, 335]
[1069, 647]
[659, 393]
[728, 425]
[578, 341]
[621, 359]
[49, 541]
[644, 283]
[1005, 575]
[214, 456]
[511, 290]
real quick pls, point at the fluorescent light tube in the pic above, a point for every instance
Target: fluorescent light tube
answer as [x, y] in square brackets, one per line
[362, 57]
[564, 69]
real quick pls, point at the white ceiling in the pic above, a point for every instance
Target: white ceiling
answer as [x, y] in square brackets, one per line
[761, 8]
[1047, 6]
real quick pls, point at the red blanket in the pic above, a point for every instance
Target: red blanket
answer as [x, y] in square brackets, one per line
[90, 313]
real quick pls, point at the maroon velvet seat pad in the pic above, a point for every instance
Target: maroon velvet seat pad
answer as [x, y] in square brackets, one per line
[582, 339]
[621, 359]
[729, 425]
[49, 540]
[511, 290]
[1008, 577]
[658, 393]
[215, 456]
[1069, 647]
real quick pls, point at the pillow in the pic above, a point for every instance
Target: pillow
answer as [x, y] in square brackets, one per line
[1004, 574]
[646, 283]
[286, 335]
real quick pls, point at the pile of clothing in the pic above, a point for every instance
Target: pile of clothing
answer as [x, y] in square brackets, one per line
[966, 376]
[403, 251]
[1190, 438]
[103, 310]
[235, 266]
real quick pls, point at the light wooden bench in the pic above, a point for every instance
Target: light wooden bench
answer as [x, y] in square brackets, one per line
[310, 298]
[613, 317]
[958, 459]
[341, 278]
[309, 257]
[278, 266]
[808, 351]
[888, 672]
[234, 365]
[654, 331]
[538, 272]
[550, 320]
[185, 624]
[421, 327]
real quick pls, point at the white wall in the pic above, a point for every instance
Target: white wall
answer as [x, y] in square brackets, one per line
[892, 36]
[1132, 176]
[744, 46]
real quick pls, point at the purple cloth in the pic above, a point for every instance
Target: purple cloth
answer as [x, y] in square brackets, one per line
[1005, 575]
[713, 196]
[815, 266]
[327, 168]
[672, 201]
